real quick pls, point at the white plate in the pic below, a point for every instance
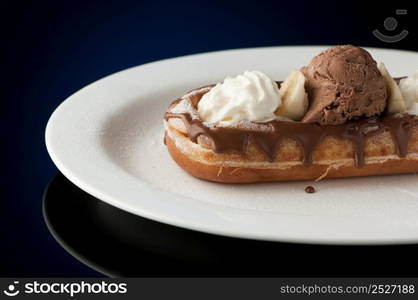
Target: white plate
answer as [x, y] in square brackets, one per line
[107, 139]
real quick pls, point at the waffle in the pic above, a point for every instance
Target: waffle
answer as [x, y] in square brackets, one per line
[332, 156]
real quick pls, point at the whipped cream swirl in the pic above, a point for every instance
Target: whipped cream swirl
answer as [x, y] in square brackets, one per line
[251, 96]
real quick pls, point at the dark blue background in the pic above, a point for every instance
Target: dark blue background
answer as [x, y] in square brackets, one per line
[50, 49]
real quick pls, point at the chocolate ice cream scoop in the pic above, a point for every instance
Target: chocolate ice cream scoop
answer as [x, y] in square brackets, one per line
[343, 83]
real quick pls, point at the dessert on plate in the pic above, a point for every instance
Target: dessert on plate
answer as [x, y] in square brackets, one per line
[341, 116]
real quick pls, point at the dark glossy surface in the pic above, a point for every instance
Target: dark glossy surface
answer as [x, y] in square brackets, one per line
[117, 243]
[51, 49]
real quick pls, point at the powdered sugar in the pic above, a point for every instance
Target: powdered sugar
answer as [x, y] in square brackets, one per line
[184, 106]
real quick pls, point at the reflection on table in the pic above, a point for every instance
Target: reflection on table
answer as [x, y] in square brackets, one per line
[117, 243]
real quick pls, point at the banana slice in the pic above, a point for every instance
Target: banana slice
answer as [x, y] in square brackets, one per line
[395, 100]
[409, 89]
[294, 97]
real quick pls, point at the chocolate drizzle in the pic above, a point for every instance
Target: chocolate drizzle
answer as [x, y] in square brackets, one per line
[401, 131]
[307, 135]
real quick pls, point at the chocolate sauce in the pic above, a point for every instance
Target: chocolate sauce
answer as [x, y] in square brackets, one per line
[307, 135]
[310, 189]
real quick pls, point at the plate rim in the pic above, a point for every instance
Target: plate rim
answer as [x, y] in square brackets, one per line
[185, 224]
